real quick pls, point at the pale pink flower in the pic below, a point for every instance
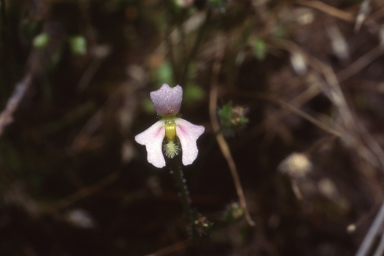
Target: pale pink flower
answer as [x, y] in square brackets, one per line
[167, 102]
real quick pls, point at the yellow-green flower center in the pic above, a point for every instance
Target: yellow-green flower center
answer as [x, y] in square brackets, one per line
[170, 131]
[170, 127]
[171, 147]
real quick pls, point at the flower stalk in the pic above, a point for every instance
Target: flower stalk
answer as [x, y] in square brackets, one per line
[178, 177]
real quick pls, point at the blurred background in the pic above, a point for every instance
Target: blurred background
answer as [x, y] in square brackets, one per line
[295, 88]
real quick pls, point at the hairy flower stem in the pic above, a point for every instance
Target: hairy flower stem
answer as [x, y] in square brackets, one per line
[180, 182]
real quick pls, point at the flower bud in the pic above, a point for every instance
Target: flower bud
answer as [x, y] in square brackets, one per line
[232, 119]
[233, 213]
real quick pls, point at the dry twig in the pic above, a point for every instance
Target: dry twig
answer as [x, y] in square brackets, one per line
[329, 10]
[6, 117]
[219, 137]
[351, 129]
[372, 233]
[82, 193]
[360, 63]
[279, 114]
[320, 144]
[291, 108]
[170, 249]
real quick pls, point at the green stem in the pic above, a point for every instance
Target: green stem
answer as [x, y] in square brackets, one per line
[178, 177]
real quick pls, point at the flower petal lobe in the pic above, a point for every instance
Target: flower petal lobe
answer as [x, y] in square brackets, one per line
[167, 100]
[153, 138]
[188, 133]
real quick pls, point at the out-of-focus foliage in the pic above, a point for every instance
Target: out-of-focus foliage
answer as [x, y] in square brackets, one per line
[78, 45]
[41, 41]
[259, 49]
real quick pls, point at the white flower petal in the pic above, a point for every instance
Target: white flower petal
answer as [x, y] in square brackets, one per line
[167, 100]
[188, 134]
[153, 138]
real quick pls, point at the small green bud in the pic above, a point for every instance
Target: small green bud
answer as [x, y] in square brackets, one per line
[202, 226]
[233, 213]
[232, 119]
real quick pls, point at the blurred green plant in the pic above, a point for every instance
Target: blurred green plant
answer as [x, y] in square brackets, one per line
[78, 45]
[217, 3]
[233, 213]
[193, 93]
[164, 74]
[148, 107]
[41, 40]
[259, 49]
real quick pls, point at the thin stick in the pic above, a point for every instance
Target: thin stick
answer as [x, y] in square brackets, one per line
[366, 216]
[328, 9]
[279, 114]
[291, 108]
[359, 64]
[170, 249]
[6, 117]
[220, 138]
[372, 233]
[320, 144]
[380, 247]
[82, 193]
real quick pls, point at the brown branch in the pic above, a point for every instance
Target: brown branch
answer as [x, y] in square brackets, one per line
[360, 63]
[220, 138]
[329, 10]
[279, 114]
[351, 128]
[291, 108]
[318, 145]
